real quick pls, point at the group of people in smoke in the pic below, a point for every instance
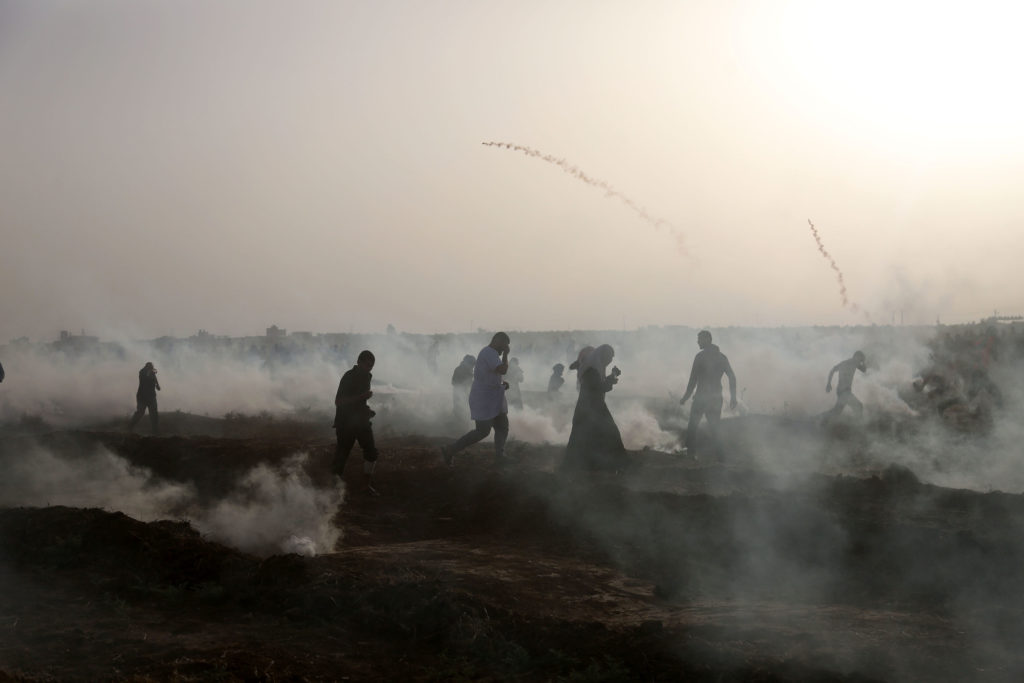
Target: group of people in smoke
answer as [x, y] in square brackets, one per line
[594, 441]
[493, 378]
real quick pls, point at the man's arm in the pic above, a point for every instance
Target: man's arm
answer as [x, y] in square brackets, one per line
[732, 384]
[828, 385]
[502, 367]
[351, 390]
[692, 384]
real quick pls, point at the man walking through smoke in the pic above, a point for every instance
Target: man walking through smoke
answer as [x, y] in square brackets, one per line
[706, 377]
[844, 390]
[487, 404]
[352, 418]
[145, 398]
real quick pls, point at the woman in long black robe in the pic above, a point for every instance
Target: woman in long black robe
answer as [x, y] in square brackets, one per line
[595, 441]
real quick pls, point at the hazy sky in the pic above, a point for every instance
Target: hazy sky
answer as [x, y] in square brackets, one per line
[170, 165]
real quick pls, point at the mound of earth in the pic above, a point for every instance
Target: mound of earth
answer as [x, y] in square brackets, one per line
[669, 569]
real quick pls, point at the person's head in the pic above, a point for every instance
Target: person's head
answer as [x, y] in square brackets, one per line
[500, 342]
[468, 360]
[148, 367]
[604, 354]
[598, 359]
[580, 357]
[858, 356]
[703, 339]
[366, 359]
[558, 368]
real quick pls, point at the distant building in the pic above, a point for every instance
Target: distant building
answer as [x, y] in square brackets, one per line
[274, 332]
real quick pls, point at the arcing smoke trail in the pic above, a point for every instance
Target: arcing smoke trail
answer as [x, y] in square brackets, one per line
[594, 182]
[832, 263]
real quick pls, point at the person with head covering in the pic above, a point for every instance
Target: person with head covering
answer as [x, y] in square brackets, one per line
[705, 386]
[575, 365]
[352, 418]
[462, 380]
[487, 404]
[145, 398]
[844, 389]
[1, 372]
[595, 441]
[556, 381]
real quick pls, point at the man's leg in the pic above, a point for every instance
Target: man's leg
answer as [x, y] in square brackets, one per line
[855, 405]
[500, 434]
[713, 411]
[835, 410]
[696, 411]
[365, 438]
[346, 439]
[154, 418]
[482, 429]
[140, 408]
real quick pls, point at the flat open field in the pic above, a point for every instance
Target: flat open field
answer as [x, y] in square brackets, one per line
[670, 569]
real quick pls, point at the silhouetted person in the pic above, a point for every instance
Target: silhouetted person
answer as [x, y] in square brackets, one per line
[575, 365]
[352, 418]
[145, 398]
[514, 378]
[595, 441]
[844, 389]
[556, 381]
[487, 404]
[462, 380]
[1, 372]
[706, 378]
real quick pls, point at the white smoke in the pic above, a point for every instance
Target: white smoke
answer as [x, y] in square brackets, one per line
[270, 510]
[276, 508]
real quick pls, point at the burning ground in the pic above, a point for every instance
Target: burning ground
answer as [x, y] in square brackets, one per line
[836, 566]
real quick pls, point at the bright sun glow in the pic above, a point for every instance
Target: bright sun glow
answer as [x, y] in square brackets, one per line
[930, 72]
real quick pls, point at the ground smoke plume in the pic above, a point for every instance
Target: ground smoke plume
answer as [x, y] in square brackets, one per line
[270, 510]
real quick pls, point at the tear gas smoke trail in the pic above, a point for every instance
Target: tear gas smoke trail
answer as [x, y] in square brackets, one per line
[594, 182]
[832, 263]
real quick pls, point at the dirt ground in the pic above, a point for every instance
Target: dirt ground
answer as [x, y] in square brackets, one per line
[668, 569]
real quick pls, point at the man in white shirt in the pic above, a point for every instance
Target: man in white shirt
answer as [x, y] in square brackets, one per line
[487, 404]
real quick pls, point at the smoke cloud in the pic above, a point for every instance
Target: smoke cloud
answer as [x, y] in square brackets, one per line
[270, 510]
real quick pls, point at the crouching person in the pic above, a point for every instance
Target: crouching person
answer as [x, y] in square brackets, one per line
[352, 418]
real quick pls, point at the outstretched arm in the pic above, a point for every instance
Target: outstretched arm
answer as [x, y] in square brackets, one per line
[828, 385]
[692, 384]
[732, 385]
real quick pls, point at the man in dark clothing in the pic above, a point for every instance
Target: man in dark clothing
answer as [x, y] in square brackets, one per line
[145, 398]
[556, 380]
[352, 418]
[1, 373]
[706, 377]
[844, 389]
[462, 380]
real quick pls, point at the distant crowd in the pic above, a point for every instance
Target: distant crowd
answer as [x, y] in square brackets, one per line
[956, 385]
